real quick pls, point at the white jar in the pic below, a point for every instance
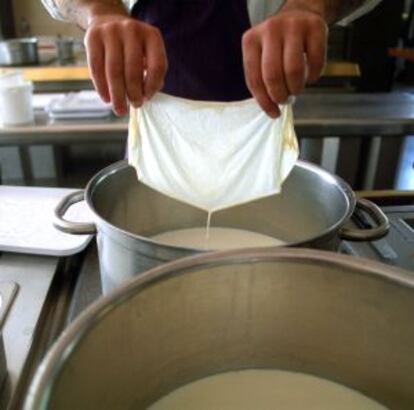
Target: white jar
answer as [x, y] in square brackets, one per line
[11, 78]
[16, 104]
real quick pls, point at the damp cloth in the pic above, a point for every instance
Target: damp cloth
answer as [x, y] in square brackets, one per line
[211, 155]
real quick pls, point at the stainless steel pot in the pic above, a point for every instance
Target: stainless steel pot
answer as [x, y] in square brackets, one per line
[311, 212]
[65, 50]
[19, 52]
[321, 313]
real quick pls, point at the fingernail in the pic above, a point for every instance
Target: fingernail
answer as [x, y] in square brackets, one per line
[136, 103]
[290, 100]
[273, 114]
[120, 111]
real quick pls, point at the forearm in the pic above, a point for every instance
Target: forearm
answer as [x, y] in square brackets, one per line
[331, 10]
[81, 12]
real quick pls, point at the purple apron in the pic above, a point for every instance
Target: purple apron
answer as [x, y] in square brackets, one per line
[203, 43]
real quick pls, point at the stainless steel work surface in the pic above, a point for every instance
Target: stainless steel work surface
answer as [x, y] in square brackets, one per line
[48, 131]
[8, 291]
[88, 287]
[397, 247]
[355, 114]
[317, 115]
[33, 275]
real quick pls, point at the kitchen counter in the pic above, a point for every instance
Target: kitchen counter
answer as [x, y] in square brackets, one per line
[33, 275]
[37, 316]
[316, 115]
[48, 131]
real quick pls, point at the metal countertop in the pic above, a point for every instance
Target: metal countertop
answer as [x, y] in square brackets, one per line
[316, 115]
[386, 114]
[37, 316]
[33, 275]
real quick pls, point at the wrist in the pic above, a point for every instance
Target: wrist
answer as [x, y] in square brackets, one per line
[104, 9]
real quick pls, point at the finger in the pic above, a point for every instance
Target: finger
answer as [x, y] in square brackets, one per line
[134, 69]
[96, 62]
[294, 63]
[272, 70]
[316, 50]
[156, 64]
[114, 68]
[252, 56]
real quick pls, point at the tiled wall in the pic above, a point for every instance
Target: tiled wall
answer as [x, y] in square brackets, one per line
[39, 20]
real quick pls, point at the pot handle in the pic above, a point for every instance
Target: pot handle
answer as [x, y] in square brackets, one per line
[359, 235]
[75, 228]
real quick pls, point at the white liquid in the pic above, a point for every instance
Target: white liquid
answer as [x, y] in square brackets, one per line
[208, 226]
[265, 390]
[216, 238]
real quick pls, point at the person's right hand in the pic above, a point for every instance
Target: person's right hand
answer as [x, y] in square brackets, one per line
[126, 59]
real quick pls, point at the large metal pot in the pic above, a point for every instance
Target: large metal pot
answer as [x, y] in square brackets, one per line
[19, 52]
[311, 212]
[321, 313]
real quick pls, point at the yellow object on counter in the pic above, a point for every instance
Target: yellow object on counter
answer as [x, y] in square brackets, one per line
[81, 73]
[51, 74]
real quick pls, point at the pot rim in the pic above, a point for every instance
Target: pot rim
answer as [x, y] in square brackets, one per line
[70, 338]
[340, 184]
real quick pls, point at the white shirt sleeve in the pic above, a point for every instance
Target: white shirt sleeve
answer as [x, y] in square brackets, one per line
[53, 9]
[259, 10]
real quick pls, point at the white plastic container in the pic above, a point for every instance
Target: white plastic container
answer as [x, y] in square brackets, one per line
[11, 78]
[16, 104]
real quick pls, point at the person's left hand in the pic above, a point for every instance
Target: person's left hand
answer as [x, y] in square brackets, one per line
[282, 54]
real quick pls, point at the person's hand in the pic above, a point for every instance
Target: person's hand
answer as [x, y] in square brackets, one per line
[282, 54]
[126, 59]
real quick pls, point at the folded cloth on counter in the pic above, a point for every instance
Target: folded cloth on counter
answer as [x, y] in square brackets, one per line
[211, 155]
